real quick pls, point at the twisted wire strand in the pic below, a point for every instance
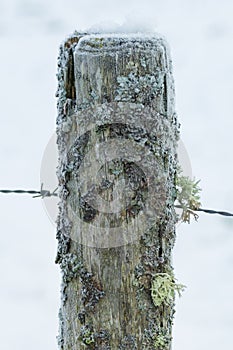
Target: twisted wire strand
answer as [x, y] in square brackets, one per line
[209, 211]
[42, 193]
[20, 191]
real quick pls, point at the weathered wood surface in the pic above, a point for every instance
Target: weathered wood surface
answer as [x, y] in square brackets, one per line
[117, 136]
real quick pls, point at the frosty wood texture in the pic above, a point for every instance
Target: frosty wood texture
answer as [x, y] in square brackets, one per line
[117, 134]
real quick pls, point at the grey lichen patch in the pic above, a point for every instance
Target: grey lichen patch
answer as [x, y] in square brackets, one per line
[70, 266]
[91, 291]
[159, 339]
[128, 342]
[143, 297]
[138, 88]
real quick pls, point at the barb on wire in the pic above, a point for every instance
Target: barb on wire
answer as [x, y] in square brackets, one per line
[209, 211]
[46, 193]
[42, 193]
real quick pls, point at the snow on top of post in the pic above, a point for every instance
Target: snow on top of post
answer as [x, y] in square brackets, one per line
[118, 41]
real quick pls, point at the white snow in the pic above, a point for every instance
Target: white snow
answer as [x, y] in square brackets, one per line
[128, 26]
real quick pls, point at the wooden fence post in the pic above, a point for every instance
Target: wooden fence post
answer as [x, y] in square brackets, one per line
[117, 135]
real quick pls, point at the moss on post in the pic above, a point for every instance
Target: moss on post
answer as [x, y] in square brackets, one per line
[117, 135]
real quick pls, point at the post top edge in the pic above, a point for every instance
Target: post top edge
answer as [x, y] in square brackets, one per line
[97, 41]
[139, 36]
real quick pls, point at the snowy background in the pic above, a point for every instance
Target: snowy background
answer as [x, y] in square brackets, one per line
[200, 34]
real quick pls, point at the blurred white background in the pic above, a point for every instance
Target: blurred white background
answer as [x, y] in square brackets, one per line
[200, 34]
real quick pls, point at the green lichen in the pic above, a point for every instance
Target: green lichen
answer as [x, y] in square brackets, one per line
[163, 289]
[162, 340]
[87, 336]
[187, 196]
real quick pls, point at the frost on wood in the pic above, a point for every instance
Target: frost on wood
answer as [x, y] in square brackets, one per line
[106, 84]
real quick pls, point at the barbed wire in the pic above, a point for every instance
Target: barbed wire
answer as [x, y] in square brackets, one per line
[46, 193]
[42, 193]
